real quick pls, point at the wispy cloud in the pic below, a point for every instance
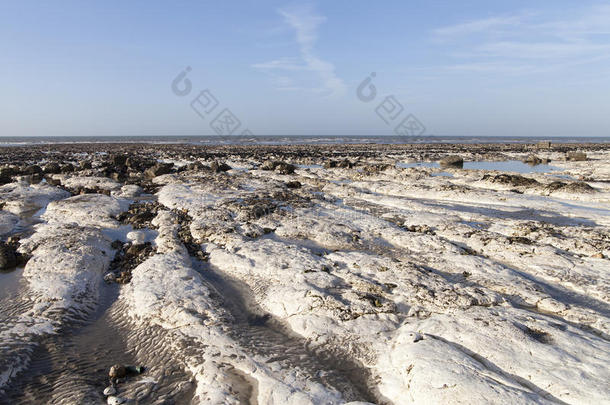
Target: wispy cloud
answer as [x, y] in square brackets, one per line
[476, 26]
[305, 24]
[529, 42]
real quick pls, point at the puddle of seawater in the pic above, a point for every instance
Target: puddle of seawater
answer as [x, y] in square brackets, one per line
[405, 165]
[9, 282]
[309, 166]
[511, 166]
[503, 166]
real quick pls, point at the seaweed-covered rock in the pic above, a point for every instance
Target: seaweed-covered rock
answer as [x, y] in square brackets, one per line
[8, 260]
[342, 164]
[218, 167]
[52, 168]
[576, 156]
[33, 169]
[159, 169]
[67, 168]
[279, 166]
[534, 160]
[293, 184]
[576, 187]
[514, 180]
[452, 160]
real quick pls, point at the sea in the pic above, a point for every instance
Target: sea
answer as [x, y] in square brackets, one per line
[290, 140]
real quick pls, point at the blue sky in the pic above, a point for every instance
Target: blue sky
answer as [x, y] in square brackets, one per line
[482, 68]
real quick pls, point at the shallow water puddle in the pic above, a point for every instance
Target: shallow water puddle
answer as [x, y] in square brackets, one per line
[503, 166]
[511, 166]
[9, 282]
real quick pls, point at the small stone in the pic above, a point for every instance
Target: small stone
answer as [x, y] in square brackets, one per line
[110, 390]
[117, 371]
[112, 400]
[110, 277]
[599, 255]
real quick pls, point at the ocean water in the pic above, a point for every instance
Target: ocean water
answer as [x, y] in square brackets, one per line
[289, 140]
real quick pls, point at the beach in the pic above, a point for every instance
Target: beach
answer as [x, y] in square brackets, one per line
[305, 274]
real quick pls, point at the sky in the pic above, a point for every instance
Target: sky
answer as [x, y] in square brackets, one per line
[473, 67]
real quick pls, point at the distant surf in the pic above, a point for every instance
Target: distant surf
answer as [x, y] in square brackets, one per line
[290, 139]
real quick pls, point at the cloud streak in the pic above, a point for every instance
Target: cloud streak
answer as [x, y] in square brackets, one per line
[529, 42]
[305, 24]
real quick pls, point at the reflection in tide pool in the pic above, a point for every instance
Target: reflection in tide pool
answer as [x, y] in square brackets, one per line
[503, 166]
[511, 166]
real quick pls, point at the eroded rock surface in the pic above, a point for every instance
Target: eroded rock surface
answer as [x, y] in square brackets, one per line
[307, 275]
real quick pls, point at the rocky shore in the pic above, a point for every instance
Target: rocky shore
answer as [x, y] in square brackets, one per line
[305, 274]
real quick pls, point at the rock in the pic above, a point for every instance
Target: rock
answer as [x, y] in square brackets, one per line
[32, 169]
[117, 371]
[218, 167]
[158, 169]
[137, 237]
[196, 166]
[85, 164]
[7, 172]
[269, 165]
[293, 184]
[514, 180]
[533, 160]
[5, 180]
[52, 168]
[285, 168]
[452, 160]
[112, 400]
[576, 187]
[599, 255]
[8, 260]
[279, 166]
[110, 390]
[67, 168]
[544, 145]
[110, 277]
[344, 164]
[135, 249]
[576, 156]
[118, 160]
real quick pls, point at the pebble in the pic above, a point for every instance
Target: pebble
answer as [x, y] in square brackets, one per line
[110, 277]
[112, 400]
[110, 391]
[117, 371]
